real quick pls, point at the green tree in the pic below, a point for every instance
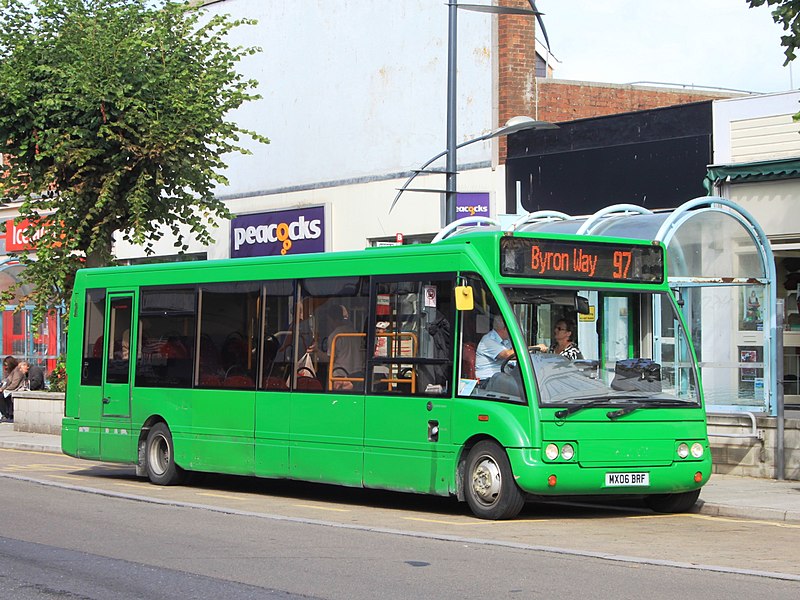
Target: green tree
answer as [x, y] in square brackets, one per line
[786, 14]
[116, 116]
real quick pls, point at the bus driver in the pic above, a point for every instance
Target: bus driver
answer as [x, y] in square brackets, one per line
[493, 349]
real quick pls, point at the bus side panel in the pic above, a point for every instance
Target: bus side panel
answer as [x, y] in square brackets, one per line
[272, 434]
[84, 428]
[223, 422]
[327, 438]
[117, 442]
[80, 439]
[401, 451]
[212, 430]
[508, 423]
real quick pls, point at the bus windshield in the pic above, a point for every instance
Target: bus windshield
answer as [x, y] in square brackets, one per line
[605, 347]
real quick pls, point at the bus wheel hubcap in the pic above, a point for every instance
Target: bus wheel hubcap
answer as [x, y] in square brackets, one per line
[159, 455]
[486, 480]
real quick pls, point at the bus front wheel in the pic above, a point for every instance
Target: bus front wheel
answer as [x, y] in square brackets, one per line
[489, 485]
[672, 503]
[160, 457]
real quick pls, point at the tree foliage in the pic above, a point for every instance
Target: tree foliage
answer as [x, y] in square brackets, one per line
[115, 114]
[785, 12]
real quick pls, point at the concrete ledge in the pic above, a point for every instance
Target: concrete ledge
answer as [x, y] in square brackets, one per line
[38, 412]
[758, 513]
[753, 455]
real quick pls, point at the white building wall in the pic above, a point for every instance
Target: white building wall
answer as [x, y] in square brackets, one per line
[353, 97]
[740, 122]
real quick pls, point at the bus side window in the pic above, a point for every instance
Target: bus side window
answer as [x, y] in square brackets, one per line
[167, 325]
[413, 350]
[484, 338]
[229, 329]
[278, 334]
[93, 323]
[335, 313]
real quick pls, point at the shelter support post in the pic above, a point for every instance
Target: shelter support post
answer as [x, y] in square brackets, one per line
[779, 431]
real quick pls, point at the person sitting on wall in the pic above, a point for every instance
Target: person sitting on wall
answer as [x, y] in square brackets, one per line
[33, 374]
[14, 380]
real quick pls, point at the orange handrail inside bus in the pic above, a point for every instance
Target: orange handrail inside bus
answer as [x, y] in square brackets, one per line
[391, 349]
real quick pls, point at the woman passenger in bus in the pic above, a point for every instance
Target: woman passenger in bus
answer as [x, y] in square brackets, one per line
[563, 343]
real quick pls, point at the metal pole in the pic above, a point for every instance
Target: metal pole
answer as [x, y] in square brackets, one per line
[779, 432]
[450, 166]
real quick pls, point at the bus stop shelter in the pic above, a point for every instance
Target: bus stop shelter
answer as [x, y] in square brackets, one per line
[721, 267]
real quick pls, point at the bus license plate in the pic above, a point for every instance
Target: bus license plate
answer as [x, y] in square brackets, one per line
[627, 479]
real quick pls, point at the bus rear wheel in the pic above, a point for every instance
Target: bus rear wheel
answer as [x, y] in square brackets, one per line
[672, 503]
[489, 485]
[160, 457]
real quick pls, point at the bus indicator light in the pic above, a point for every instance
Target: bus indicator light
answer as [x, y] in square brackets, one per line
[698, 477]
[483, 418]
[551, 481]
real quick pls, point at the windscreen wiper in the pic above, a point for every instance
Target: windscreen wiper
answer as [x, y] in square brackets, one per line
[565, 412]
[616, 414]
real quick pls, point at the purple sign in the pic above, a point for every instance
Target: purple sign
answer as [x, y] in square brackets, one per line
[472, 205]
[297, 231]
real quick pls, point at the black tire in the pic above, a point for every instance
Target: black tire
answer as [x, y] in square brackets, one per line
[160, 457]
[672, 503]
[489, 485]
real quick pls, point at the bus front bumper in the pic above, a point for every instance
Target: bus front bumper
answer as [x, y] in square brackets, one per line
[538, 477]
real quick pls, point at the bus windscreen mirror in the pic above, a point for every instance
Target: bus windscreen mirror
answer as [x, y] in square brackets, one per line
[582, 305]
[464, 299]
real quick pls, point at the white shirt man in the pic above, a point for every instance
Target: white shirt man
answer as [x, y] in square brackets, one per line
[494, 348]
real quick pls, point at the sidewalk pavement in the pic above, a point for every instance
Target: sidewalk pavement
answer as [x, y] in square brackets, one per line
[723, 496]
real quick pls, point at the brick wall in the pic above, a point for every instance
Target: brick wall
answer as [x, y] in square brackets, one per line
[516, 58]
[561, 100]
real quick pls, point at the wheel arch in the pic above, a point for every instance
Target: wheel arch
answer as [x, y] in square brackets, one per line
[462, 459]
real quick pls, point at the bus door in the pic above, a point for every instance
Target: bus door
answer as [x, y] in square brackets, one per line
[407, 438]
[117, 363]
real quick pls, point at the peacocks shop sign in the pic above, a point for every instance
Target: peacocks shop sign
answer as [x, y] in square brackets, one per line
[296, 231]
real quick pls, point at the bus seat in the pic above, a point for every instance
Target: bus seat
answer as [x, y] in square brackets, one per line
[238, 381]
[210, 381]
[275, 383]
[468, 351]
[309, 383]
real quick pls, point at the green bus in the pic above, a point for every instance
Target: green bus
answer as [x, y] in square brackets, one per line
[380, 369]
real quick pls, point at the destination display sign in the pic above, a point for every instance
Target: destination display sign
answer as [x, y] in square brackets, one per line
[593, 261]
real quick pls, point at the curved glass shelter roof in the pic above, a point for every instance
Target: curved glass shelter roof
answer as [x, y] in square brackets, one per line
[709, 239]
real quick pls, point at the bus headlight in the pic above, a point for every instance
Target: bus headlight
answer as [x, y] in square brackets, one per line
[683, 450]
[567, 452]
[697, 450]
[551, 451]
